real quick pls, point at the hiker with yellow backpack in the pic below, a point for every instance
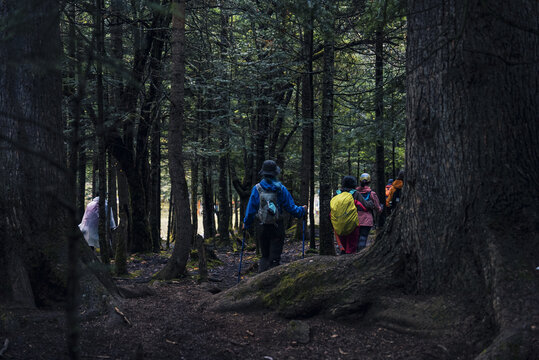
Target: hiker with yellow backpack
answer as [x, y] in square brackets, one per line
[366, 217]
[344, 215]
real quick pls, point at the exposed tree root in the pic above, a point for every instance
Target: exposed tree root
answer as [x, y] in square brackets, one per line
[332, 286]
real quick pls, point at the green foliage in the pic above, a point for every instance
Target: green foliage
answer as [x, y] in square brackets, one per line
[242, 59]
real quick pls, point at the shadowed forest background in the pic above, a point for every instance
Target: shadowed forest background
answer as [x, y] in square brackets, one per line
[167, 110]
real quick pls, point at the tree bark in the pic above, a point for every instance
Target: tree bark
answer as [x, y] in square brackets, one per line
[326, 141]
[379, 104]
[194, 194]
[123, 233]
[112, 187]
[75, 213]
[100, 134]
[207, 199]
[81, 179]
[155, 178]
[223, 216]
[184, 230]
[307, 146]
[38, 211]
[471, 121]
[95, 182]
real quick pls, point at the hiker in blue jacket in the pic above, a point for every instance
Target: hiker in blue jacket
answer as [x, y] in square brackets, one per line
[268, 200]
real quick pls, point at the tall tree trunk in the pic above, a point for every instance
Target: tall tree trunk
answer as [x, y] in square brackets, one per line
[184, 230]
[81, 178]
[150, 119]
[207, 200]
[307, 146]
[223, 215]
[170, 224]
[358, 169]
[37, 199]
[194, 193]
[95, 182]
[195, 164]
[155, 178]
[312, 230]
[112, 187]
[141, 238]
[379, 104]
[73, 285]
[124, 231]
[326, 141]
[393, 166]
[100, 134]
[491, 105]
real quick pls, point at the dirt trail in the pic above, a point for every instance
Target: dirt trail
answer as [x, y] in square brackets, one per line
[172, 324]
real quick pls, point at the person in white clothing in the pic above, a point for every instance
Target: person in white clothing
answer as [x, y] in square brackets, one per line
[90, 222]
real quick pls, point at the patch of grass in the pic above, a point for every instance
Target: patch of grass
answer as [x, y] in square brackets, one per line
[135, 274]
[165, 254]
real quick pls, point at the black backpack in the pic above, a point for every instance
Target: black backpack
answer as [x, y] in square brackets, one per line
[268, 210]
[368, 200]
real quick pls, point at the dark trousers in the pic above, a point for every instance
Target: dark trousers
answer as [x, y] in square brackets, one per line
[271, 240]
[350, 241]
[363, 236]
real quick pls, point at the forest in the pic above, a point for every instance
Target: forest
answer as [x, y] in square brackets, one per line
[171, 169]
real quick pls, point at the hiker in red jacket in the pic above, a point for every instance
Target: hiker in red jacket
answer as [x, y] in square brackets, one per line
[366, 218]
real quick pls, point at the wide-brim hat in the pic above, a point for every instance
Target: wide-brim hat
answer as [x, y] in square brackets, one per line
[270, 168]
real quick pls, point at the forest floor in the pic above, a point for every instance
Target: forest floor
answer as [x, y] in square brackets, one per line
[173, 323]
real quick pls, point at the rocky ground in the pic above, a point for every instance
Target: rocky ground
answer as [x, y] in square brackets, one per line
[173, 323]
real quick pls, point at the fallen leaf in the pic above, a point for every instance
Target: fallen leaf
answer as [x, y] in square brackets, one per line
[334, 336]
[342, 352]
[250, 333]
[171, 342]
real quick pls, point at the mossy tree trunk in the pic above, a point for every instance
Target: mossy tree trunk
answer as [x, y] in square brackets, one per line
[467, 223]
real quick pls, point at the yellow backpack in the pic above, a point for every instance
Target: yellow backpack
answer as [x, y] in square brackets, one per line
[344, 213]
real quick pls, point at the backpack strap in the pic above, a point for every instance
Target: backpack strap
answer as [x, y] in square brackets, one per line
[368, 196]
[352, 191]
[260, 190]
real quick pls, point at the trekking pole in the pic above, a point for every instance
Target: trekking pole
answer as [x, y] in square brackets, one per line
[241, 256]
[303, 246]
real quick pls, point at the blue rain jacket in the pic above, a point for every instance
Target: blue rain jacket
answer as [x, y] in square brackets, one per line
[285, 201]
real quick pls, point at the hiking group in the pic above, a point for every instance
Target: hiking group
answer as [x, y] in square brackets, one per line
[353, 210]
[352, 213]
